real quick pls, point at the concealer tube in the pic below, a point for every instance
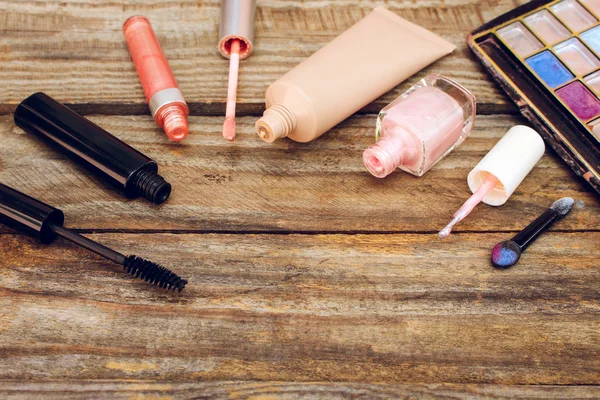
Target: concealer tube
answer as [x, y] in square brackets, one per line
[354, 69]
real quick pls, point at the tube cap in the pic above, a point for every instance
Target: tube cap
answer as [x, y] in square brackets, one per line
[510, 160]
[237, 22]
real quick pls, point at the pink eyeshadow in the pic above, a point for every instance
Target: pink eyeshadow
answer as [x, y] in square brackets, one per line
[580, 100]
[593, 5]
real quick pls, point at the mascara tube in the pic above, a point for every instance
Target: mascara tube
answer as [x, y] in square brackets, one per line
[110, 159]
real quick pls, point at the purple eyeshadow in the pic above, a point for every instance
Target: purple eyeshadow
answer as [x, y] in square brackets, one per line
[580, 100]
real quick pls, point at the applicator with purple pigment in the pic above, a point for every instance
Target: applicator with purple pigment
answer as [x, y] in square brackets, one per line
[506, 254]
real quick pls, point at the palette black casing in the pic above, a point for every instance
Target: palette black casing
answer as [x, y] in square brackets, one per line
[559, 128]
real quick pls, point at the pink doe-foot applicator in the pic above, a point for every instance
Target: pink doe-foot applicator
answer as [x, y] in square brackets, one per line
[501, 171]
[236, 33]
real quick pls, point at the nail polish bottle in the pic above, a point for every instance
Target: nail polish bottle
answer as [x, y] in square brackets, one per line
[420, 127]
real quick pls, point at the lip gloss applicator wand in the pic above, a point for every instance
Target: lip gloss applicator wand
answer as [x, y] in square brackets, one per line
[236, 35]
[168, 107]
[45, 223]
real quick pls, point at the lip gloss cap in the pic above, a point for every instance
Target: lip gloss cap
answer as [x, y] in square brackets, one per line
[237, 22]
[510, 160]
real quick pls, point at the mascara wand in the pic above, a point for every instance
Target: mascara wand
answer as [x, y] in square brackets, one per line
[45, 223]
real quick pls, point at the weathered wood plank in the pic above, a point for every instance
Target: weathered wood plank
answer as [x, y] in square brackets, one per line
[284, 390]
[254, 186]
[370, 308]
[75, 50]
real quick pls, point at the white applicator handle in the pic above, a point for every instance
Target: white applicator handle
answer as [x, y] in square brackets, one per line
[510, 160]
[501, 171]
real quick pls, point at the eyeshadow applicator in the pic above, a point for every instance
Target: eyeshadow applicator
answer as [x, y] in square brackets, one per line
[45, 223]
[501, 171]
[236, 36]
[507, 253]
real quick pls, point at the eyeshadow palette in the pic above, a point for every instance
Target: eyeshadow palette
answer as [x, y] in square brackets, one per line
[546, 56]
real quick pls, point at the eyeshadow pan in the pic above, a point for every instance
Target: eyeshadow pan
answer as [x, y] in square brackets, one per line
[593, 82]
[577, 57]
[580, 100]
[593, 5]
[549, 69]
[595, 128]
[547, 27]
[573, 15]
[519, 39]
[592, 38]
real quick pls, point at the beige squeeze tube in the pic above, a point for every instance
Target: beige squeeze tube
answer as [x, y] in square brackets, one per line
[354, 69]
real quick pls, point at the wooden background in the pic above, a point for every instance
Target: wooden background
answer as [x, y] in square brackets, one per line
[308, 277]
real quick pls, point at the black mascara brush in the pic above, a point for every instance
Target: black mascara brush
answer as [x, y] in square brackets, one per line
[506, 254]
[44, 222]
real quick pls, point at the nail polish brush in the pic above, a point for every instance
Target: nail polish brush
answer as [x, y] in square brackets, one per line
[507, 253]
[236, 36]
[108, 158]
[45, 223]
[501, 171]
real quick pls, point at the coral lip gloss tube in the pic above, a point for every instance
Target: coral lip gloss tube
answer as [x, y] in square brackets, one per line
[167, 104]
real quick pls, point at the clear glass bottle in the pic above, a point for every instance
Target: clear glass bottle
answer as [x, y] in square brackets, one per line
[420, 127]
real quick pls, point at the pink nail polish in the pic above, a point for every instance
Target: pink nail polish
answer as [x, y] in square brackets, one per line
[420, 127]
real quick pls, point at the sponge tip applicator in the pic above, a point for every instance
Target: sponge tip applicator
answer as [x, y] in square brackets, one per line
[505, 254]
[563, 206]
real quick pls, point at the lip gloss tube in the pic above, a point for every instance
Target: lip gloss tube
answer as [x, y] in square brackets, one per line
[166, 102]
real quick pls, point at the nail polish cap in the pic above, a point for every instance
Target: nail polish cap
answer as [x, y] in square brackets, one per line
[237, 22]
[510, 160]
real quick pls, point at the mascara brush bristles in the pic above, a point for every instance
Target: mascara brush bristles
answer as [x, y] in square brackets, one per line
[153, 273]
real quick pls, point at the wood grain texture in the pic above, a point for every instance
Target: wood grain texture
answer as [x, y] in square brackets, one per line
[254, 186]
[283, 391]
[361, 308]
[75, 51]
[308, 277]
